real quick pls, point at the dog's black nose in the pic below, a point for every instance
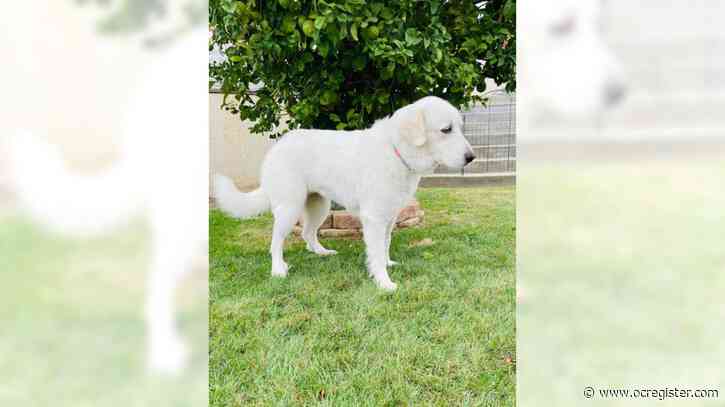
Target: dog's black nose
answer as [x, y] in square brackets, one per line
[613, 93]
[469, 157]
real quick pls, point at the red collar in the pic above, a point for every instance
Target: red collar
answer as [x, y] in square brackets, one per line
[402, 160]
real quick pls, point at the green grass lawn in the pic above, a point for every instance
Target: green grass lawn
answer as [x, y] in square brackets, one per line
[621, 278]
[73, 321]
[326, 335]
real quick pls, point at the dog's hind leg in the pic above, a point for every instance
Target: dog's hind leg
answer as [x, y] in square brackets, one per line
[285, 216]
[316, 210]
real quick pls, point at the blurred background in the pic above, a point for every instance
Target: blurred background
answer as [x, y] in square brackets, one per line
[620, 167]
[102, 103]
[620, 255]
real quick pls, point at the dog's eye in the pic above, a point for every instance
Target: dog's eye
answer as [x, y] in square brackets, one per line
[447, 129]
[564, 27]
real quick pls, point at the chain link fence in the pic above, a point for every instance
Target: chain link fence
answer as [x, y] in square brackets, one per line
[491, 130]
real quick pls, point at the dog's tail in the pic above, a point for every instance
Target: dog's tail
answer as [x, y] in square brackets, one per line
[68, 203]
[236, 203]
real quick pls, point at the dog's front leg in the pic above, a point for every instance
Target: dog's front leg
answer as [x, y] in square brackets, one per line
[388, 239]
[167, 352]
[374, 234]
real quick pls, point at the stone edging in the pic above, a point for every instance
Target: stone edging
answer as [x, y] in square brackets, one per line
[345, 224]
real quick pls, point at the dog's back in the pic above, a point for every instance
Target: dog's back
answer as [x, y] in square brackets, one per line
[327, 162]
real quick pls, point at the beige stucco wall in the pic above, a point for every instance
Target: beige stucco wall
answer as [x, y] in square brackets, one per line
[233, 150]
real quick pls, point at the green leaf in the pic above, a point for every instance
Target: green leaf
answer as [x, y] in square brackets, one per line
[328, 97]
[341, 126]
[320, 22]
[323, 48]
[308, 28]
[411, 36]
[359, 63]
[229, 6]
[371, 32]
[388, 71]
[434, 5]
[288, 24]
[386, 14]
[376, 8]
[509, 10]
[333, 32]
[469, 44]
[353, 31]
[438, 55]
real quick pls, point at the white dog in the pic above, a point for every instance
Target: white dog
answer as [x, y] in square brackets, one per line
[373, 173]
[565, 66]
[160, 173]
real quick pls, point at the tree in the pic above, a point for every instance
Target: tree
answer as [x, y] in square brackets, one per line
[342, 64]
[139, 16]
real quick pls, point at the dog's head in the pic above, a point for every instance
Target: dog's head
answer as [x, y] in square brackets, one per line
[431, 132]
[565, 66]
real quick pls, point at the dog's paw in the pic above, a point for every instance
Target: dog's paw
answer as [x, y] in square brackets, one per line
[326, 252]
[393, 263]
[320, 251]
[168, 357]
[386, 284]
[280, 270]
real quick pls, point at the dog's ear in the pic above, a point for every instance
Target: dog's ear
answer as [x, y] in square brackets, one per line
[412, 128]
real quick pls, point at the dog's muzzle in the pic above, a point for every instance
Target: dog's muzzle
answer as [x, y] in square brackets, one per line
[469, 157]
[613, 93]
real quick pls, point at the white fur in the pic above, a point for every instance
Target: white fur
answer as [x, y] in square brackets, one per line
[161, 174]
[565, 66]
[359, 170]
[239, 205]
